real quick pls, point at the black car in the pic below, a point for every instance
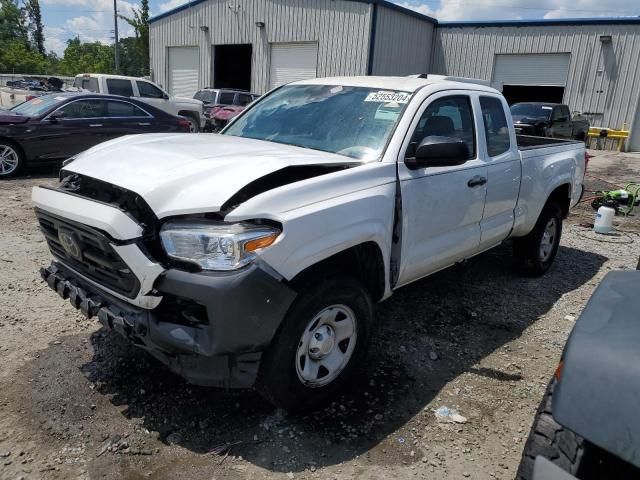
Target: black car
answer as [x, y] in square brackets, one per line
[548, 120]
[54, 127]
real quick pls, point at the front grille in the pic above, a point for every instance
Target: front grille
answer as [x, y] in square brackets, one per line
[94, 258]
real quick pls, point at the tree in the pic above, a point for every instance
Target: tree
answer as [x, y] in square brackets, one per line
[34, 17]
[15, 57]
[140, 24]
[12, 26]
[79, 57]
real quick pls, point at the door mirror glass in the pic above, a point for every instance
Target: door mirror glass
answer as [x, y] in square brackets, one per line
[436, 151]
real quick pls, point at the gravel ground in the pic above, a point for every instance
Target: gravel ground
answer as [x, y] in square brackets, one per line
[77, 402]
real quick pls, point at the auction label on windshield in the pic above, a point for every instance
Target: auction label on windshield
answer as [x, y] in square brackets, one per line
[385, 96]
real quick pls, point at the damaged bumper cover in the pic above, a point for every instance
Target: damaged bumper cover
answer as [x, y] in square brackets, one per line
[240, 313]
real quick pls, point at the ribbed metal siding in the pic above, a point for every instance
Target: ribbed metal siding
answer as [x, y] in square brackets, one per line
[604, 79]
[402, 44]
[341, 29]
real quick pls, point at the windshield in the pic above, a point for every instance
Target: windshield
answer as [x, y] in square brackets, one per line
[38, 106]
[531, 110]
[351, 121]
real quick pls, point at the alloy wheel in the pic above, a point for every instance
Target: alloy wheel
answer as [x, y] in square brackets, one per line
[9, 160]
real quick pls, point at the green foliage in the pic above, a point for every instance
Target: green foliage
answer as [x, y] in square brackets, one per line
[16, 58]
[35, 27]
[12, 26]
[88, 57]
[140, 49]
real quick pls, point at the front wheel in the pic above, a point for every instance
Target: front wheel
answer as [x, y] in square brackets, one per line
[535, 252]
[11, 159]
[194, 123]
[322, 339]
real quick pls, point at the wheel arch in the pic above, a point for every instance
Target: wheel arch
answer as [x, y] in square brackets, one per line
[363, 261]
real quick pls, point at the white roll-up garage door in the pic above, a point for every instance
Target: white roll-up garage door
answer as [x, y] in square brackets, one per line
[184, 71]
[548, 69]
[291, 62]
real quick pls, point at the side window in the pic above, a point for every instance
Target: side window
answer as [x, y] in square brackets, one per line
[90, 84]
[496, 128]
[226, 98]
[448, 117]
[115, 108]
[82, 109]
[147, 90]
[244, 99]
[565, 112]
[117, 86]
[206, 96]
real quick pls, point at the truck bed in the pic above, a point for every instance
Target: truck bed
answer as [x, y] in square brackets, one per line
[529, 142]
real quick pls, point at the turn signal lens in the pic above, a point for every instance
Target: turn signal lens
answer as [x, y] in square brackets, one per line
[253, 245]
[558, 372]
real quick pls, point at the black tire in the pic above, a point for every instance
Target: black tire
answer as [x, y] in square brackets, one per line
[11, 159]
[552, 441]
[527, 250]
[194, 122]
[568, 450]
[278, 380]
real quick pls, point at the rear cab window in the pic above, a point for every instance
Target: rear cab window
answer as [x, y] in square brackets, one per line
[87, 83]
[117, 86]
[496, 128]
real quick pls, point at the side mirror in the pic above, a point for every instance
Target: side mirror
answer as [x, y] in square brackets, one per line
[165, 96]
[560, 120]
[55, 116]
[435, 151]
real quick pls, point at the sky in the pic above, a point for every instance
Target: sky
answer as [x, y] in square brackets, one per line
[92, 20]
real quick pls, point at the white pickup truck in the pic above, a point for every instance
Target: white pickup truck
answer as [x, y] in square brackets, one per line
[254, 257]
[145, 91]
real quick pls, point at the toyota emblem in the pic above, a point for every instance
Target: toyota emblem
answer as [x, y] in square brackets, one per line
[70, 243]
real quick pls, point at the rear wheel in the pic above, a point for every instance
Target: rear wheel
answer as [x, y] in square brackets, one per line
[535, 252]
[323, 338]
[11, 159]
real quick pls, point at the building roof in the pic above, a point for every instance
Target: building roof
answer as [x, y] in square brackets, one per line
[542, 22]
[385, 3]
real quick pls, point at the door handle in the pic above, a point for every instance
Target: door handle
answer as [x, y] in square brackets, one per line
[95, 125]
[476, 181]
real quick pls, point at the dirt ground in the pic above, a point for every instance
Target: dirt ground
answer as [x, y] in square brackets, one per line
[77, 402]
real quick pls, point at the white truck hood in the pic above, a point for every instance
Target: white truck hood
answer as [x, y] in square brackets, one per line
[186, 173]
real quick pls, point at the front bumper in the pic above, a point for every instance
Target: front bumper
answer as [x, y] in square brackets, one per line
[222, 347]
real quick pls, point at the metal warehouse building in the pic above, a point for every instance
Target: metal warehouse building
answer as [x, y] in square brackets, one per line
[593, 65]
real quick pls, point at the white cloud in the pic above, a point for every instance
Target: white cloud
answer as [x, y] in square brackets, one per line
[519, 9]
[94, 26]
[171, 4]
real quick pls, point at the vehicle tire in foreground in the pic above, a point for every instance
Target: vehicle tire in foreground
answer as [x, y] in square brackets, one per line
[550, 440]
[535, 252]
[567, 450]
[323, 338]
[11, 159]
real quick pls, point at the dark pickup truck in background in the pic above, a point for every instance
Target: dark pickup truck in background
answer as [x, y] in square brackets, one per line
[548, 120]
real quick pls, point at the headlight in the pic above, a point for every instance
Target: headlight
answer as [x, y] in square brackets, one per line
[214, 245]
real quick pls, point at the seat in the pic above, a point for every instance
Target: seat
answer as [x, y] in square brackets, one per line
[439, 125]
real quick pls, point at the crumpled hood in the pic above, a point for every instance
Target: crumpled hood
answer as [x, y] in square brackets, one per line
[186, 173]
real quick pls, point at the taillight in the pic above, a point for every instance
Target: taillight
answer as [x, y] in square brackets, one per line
[29, 97]
[184, 124]
[587, 157]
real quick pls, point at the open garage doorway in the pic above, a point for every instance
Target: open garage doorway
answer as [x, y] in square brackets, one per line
[232, 66]
[532, 93]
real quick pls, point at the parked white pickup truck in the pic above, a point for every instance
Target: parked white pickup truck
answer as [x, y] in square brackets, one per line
[145, 91]
[254, 257]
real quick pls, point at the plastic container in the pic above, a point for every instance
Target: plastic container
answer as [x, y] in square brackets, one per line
[604, 220]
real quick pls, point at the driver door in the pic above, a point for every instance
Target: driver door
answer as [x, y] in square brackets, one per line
[442, 207]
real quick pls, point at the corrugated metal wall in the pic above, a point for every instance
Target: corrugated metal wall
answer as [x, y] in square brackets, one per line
[604, 79]
[402, 44]
[341, 29]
